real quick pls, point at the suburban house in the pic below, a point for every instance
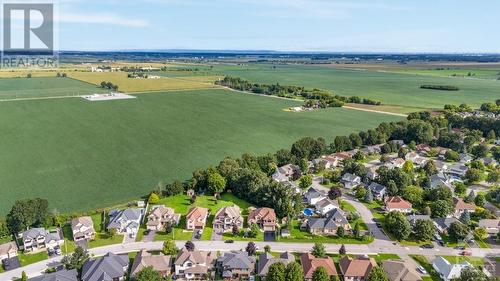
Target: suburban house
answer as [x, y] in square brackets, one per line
[266, 260]
[396, 163]
[83, 229]
[265, 218]
[398, 271]
[196, 218]
[458, 170]
[465, 158]
[460, 207]
[126, 221]
[396, 203]
[441, 166]
[8, 250]
[372, 149]
[331, 161]
[61, 275]
[371, 172]
[311, 263]
[287, 172]
[491, 225]
[109, 267]
[439, 179]
[326, 205]
[489, 161]
[39, 238]
[356, 269]
[313, 196]
[160, 263]
[448, 271]
[329, 224]
[193, 265]
[350, 181]
[423, 149]
[160, 216]
[236, 265]
[442, 224]
[378, 190]
[228, 217]
[414, 218]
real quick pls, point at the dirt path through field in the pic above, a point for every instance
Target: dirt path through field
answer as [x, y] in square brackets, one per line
[376, 111]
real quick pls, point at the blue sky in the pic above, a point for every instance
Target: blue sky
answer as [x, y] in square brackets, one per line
[287, 25]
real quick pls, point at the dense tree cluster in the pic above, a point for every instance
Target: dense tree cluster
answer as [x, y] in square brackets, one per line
[440, 87]
[314, 97]
[109, 86]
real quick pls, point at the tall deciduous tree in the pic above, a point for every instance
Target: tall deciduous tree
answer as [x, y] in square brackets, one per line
[294, 272]
[148, 274]
[276, 272]
[320, 274]
[318, 250]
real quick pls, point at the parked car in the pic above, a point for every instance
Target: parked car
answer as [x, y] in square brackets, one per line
[422, 269]
[229, 241]
[466, 253]
[427, 246]
[460, 248]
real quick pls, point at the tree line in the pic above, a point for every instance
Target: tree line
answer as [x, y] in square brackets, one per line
[316, 97]
[440, 87]
[109, 85]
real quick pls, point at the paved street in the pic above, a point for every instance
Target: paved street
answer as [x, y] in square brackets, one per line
[381, 244]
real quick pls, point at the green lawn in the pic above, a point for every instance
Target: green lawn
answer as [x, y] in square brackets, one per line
[182, 203]
[103, 239]
[390, 88]
[26, 259]
[298, 236]
[106, 153]
[424, 262]
[11, 88]
[475, 261]
[346, 206]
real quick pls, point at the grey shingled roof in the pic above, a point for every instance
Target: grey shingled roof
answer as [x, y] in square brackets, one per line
[63, 275]
[236, 260]
[106, 268]
[333, 219]
[377, 188]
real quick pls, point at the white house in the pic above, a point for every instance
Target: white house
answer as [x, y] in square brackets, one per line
[126, 221]
[350, 181]
[193, 265]
[325, 205]
[313, 196]
[448, 271]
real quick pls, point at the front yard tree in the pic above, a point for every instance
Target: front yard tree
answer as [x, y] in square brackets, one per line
[470, 273]
[480, 151]
[305, 181]
[294, 272]
[473, 175]
[320, 274]
[493, 176]
[169, 248]
[414, 194]
[276, 272]
[424, 230]
[440, 208]
[481, 233]
[342, 250]
[189, 246]
[76, 260]
[430, 168]
[368, 196]
[267, 249]
[318, 250]
[465, 217]
[215, 182]
[334, 193]
[398, 225]
[340, 232]
[458, 231]
[480, 200]
[377, 274]
[408, 166]
[148, 274]
[251, 249]
[470, 198]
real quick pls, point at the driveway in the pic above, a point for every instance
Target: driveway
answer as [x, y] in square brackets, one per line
[216, 235]
[149, 237]
[367, 217]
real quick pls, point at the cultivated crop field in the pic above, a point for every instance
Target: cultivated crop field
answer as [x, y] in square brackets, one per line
[21, 88]
[145, 85]
[82, 155]
[401, 91]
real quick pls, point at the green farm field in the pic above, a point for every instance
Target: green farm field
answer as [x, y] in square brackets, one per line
[23, 88]
[82, 155]
[401, 91]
